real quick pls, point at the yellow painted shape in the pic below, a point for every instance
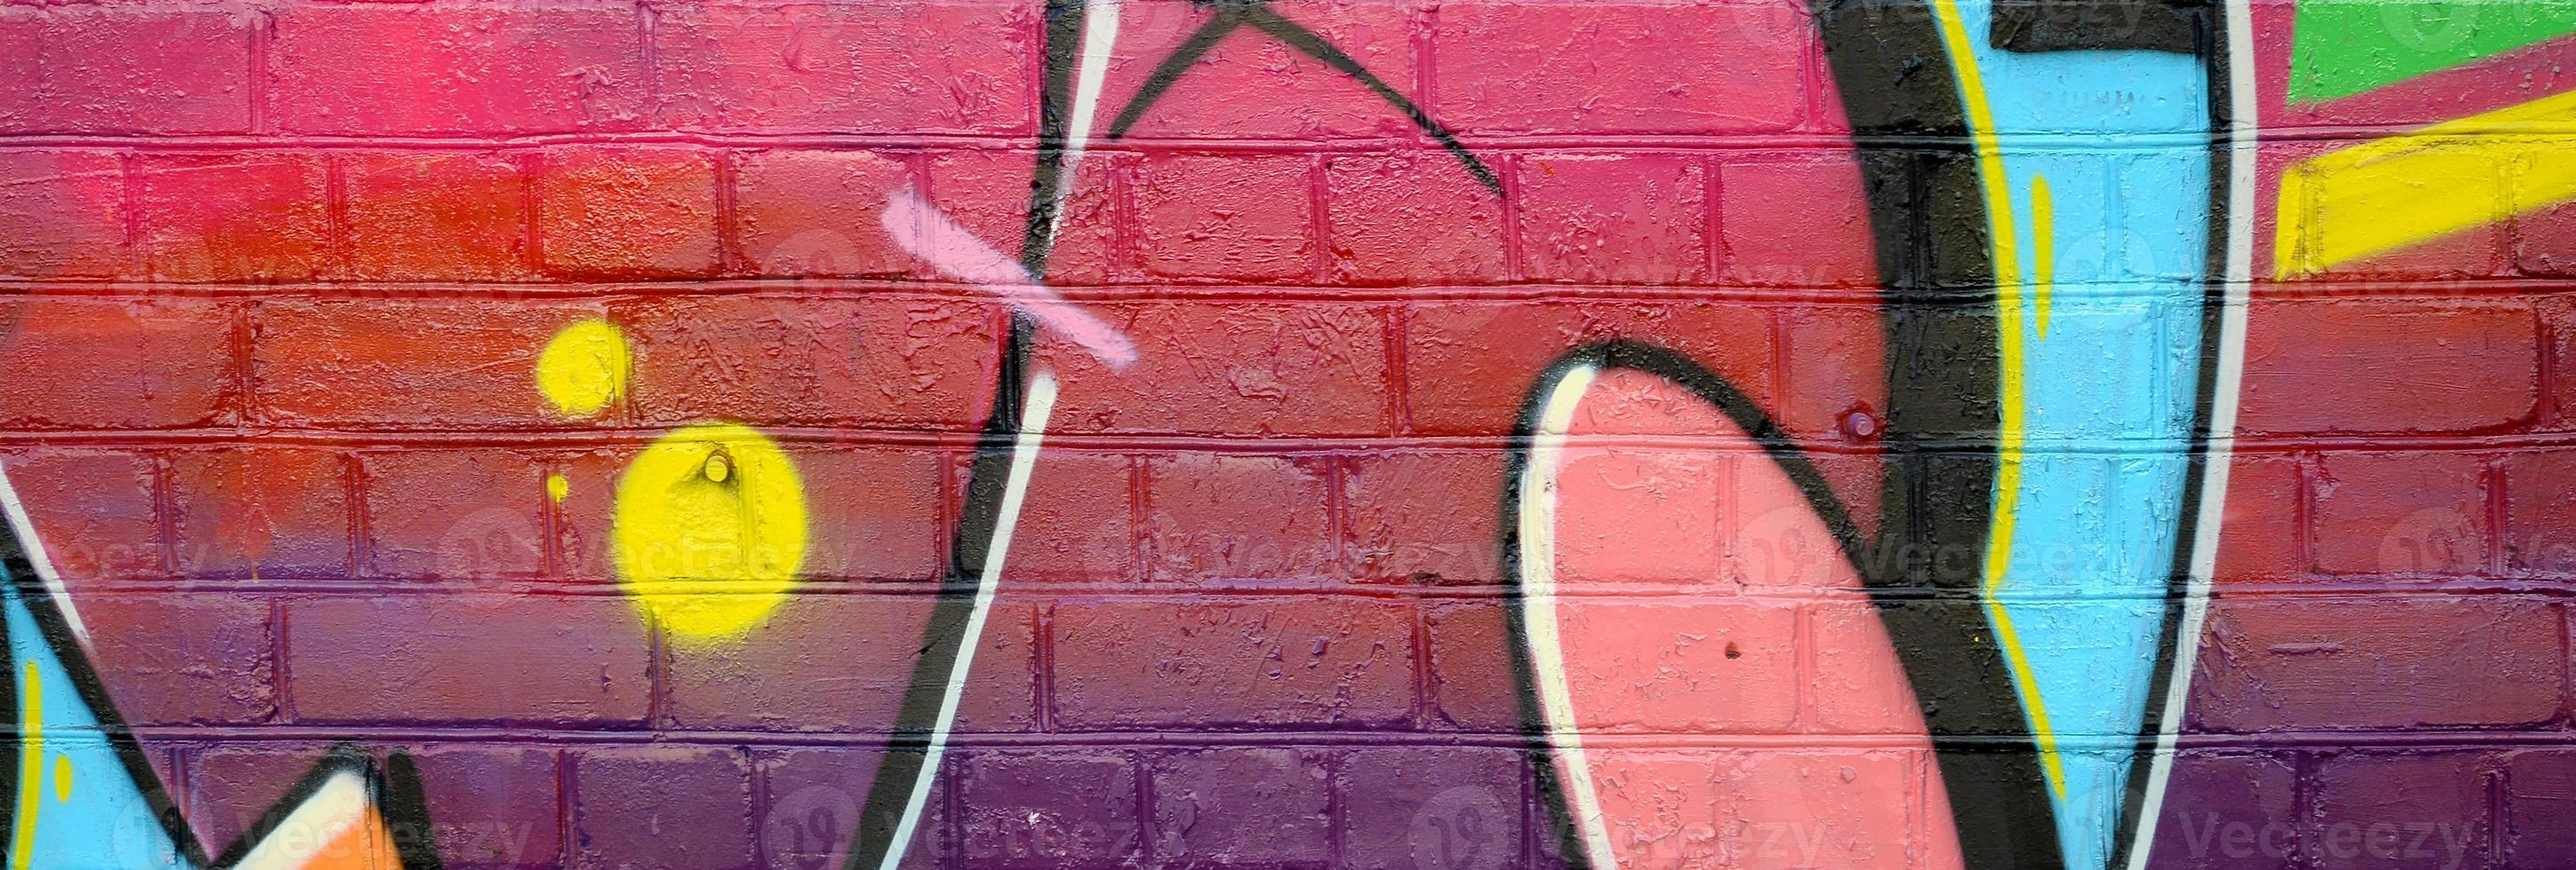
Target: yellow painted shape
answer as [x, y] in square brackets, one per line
[708, 555]
[557, 487]
[2008, 340]
[2420, 185]
[584, 368]
[63, 778]
[31, 769]
[2043, 249]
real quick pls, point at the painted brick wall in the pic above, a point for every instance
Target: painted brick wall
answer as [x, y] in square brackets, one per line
[1423, 434]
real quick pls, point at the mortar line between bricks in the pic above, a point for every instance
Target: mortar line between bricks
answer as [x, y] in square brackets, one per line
[281, 649]
[354, 489]
[762, 804]
[130, 211]
[2497, 515]
[1813, 443]
[165, 515]
[1042, 686]
[2065, 140]
[625, 734]
[2303, 506]
[2303, 798]
[2446, 294]
[2535, 592]
[259, 87]
[2566, 654]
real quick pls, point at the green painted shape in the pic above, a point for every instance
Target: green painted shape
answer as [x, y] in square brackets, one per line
[2345, 47]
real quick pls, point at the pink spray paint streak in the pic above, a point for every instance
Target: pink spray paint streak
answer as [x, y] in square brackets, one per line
[926, 233]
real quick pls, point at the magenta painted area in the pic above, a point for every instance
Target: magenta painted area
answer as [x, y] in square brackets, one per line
[274, 279]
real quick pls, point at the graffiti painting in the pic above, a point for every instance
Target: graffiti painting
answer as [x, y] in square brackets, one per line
[1434, 434]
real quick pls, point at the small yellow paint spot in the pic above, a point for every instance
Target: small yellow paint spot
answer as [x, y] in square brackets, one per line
[62, 777]
[583, 368]
[709, 530]
[557, 487]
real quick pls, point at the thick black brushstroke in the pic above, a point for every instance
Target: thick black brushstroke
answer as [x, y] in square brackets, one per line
[13, 560]
[55, 632]
[1928, 215]
[398, 802]
[405, 808]
[1928, 218]
[1950, 638]
[1298, 37]
[401, 807]
[1258, 15]
[2213, 313]
[341, 758]
[1169, 72]
[1679, 369]
[2099, 25]
[890, 792]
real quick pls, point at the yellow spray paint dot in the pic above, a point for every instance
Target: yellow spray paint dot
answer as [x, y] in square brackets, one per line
[583, 368]
[62, 777]
[710, 530]
[557, 487]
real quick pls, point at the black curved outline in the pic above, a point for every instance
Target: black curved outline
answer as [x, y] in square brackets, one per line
[1258, 15]
[1679, 369]
[2213, 311]
[1986, 838]
[54, 631]
[890, 790]
[395, 794]
[1929, 228]
[1928, 215]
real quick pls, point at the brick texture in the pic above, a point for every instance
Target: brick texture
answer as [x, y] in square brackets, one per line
[282, 402]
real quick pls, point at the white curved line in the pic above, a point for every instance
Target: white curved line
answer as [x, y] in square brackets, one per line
[1538, 607]
[313, 826]
[1024, 456]
[36, 556]
[1099, 36]
[2243, 130]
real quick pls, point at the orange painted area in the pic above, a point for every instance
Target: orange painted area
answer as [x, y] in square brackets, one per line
[362, 846]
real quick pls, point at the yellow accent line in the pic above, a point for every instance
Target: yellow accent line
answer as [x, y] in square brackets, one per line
[2008, 434]
[2416, 186]
[31, 770]
[2043, 244]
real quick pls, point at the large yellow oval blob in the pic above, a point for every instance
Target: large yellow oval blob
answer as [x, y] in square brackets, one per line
[709, 530]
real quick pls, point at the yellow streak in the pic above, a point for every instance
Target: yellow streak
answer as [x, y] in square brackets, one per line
[2412, 187]
[2043, 244]
[2008, 435]
[31, 770]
